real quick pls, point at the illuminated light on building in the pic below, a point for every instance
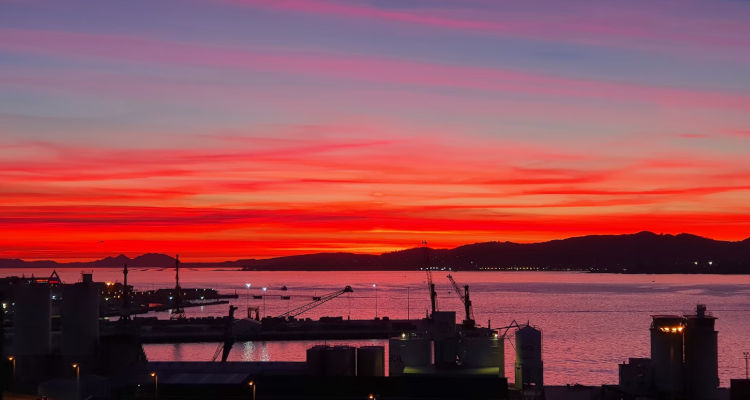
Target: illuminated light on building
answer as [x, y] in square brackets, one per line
[672, 329]
[667, 353]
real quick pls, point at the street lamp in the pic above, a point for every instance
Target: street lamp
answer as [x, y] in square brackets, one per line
[264, 301]
[252, 385]
[156, 384]
[747, 358]
[12, 360]
[247, 296]
[77, 367]
[376, 299]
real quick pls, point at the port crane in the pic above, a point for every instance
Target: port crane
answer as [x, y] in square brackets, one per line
[318, 301]
[464, 296]
[430, 284]
[226, 347]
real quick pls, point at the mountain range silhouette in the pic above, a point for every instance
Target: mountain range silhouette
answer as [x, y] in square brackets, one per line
[643, 252]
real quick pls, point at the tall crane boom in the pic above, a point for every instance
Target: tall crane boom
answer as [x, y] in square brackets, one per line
[309, 306]
[226, 347]
[430, 284]
[464, 296]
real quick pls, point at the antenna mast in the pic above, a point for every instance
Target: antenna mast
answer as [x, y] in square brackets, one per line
[125, 312]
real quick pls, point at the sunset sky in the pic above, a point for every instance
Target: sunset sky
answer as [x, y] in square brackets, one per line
[237, 128]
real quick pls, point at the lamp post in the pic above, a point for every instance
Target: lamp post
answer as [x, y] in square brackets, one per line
[408, 305]
[252, 386]
[77, 367]
[247, 296]
[376, 299]
[156, 384]
[264, 301]
[747, 358]
[12, 360]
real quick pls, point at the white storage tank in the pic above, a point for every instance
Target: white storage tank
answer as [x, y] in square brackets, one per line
[80, 318]
[529, 367]
[408, 351]
[340, 361]
[371, 361]
[483, 352]
[701, 356]
[31, 321]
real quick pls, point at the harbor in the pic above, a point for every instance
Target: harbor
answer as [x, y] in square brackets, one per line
[444, 344]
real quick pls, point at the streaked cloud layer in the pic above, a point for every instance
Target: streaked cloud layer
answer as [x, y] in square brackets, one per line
[241, 128]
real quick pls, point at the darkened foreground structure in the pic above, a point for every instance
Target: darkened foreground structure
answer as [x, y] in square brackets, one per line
[295, 380]
[683, 363]
[432, 358]
[76, 359]
[739, 389]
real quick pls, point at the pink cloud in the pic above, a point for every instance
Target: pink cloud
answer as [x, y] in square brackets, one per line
[360, 68]
[609, 25]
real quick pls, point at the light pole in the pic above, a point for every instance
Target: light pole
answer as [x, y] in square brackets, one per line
[247, 296]
[77, 367]
[12, 360]
[156, 384]
[264, 301]
[252, 385]
[376, 299]
[747, 358]
[408, 306]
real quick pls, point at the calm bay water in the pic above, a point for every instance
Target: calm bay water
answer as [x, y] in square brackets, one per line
[590, 322]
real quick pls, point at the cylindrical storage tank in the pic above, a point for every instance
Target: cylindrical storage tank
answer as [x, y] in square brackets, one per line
[529, 367]
[316, 360]
[666, 353]
[701, 356]
[483, 352]
[443, 324]
[341, 361]
[446, 352]
[80, 319]
[408, 351]
[371, 361]
[31, 320]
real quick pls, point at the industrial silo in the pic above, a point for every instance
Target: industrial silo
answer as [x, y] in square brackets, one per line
[443, 324]
[408, 351]
[316, 360]
[666, 352]
[340, 361]
[31, 320]
[529, 367]
[486, 351]
[701, 356]
[80, 318]
[446, 352]
[371, 361]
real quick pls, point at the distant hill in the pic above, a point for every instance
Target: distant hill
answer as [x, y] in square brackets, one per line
[643, 252]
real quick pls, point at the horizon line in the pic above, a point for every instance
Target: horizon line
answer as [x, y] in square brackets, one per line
[206, 260]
